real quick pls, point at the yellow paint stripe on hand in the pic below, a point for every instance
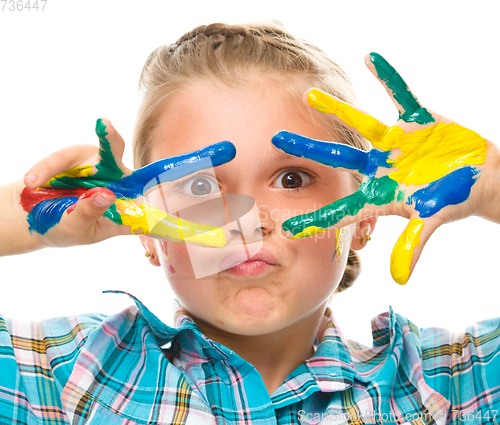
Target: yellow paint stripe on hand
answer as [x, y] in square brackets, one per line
[147, 220]
[309, 231]
[402, 254]
[369, 127]
[80, 171]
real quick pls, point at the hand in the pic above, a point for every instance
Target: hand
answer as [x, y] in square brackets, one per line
[426, 168]
[86, 204]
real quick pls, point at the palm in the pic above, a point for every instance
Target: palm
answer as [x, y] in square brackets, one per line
[423, 168]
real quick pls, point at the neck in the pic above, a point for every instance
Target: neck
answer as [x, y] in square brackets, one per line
[274, 355]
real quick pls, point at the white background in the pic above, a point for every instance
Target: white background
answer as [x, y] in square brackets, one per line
[76, 61]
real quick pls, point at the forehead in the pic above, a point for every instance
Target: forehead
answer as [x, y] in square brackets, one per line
[247, 116]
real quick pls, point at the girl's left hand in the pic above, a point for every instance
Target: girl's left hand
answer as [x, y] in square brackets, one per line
[426, 168]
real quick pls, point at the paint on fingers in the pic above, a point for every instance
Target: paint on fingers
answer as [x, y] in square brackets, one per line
[402, 254]
[369, 127]
[412, 110]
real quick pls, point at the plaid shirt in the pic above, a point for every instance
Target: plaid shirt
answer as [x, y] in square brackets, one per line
[130, 368]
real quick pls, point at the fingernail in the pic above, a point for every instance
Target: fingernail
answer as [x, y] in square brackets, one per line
[31, 177]
[321, 101]
[101, 202]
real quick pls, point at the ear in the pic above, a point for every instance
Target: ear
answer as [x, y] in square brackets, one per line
[149, 246]
[363, 229]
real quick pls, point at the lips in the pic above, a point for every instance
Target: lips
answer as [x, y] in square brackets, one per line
[248, 262]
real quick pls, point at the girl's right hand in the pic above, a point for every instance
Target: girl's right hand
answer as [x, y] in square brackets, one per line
[84, 194]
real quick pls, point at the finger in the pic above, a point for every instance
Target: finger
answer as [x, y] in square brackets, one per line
[56, 163]
[111, 147]
[144, 219]
[170, 169]
[335, 155]
[359, 122]
[368, 201]
[409, 246]
[84, 210]
[410, 109]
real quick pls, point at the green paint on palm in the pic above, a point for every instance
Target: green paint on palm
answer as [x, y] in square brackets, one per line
[401, 196]
[412, 111]
[376, 191]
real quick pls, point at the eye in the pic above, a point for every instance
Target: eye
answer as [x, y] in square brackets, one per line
[292, 180]
[200, 186]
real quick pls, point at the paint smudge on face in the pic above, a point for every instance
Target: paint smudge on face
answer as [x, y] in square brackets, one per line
[402, 253]
[168, 263]
[339, 241]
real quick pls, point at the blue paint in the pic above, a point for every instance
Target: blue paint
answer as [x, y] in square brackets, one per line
[47, 214]
[174, 168]
[335, 155]
[451, 189]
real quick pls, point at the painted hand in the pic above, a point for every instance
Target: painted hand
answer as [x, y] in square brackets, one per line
[425, 168]
[47, 204]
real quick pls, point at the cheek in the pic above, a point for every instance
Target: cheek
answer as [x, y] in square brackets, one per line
[175, 259]
[318, 263]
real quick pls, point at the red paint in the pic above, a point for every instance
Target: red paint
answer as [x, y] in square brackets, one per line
[31, 197]
[164, 249]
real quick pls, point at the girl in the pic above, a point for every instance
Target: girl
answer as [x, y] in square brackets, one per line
[255, 342]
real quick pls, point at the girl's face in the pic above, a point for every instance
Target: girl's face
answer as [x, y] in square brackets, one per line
[304, 273]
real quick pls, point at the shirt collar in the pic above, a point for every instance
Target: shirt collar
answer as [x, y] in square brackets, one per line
[334, 365]
[199, 342]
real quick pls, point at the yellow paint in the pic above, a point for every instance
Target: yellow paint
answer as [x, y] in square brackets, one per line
[147, 220]
[402, 254]
[426, 154]
[433, 152]
[309, 231]
[369, 127]
[80, 171]
[339, 242]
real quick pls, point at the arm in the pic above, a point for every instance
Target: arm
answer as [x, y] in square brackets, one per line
[15, 237]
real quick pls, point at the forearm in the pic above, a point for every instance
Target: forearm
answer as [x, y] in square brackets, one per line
[15, 238]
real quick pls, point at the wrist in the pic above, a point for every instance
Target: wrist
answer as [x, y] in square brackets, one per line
[489, 207]
[14, 228]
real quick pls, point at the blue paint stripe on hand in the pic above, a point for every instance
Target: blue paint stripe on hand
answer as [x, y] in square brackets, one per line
[334, 154]
[452, 189]
[47, 214]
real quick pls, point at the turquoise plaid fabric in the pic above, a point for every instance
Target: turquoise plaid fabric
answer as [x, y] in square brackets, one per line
[130, 368]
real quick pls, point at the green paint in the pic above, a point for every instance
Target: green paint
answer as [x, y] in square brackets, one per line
[401, 196]
[113, 214]
[376, 191]
[107, 167]
[412, 111]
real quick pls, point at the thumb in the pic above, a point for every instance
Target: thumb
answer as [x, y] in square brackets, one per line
[92, 205]
[409, 246]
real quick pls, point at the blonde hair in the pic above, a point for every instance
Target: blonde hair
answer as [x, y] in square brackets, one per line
[232, 54]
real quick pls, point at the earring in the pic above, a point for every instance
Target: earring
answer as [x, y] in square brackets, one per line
[366, 239]
[148, 254]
